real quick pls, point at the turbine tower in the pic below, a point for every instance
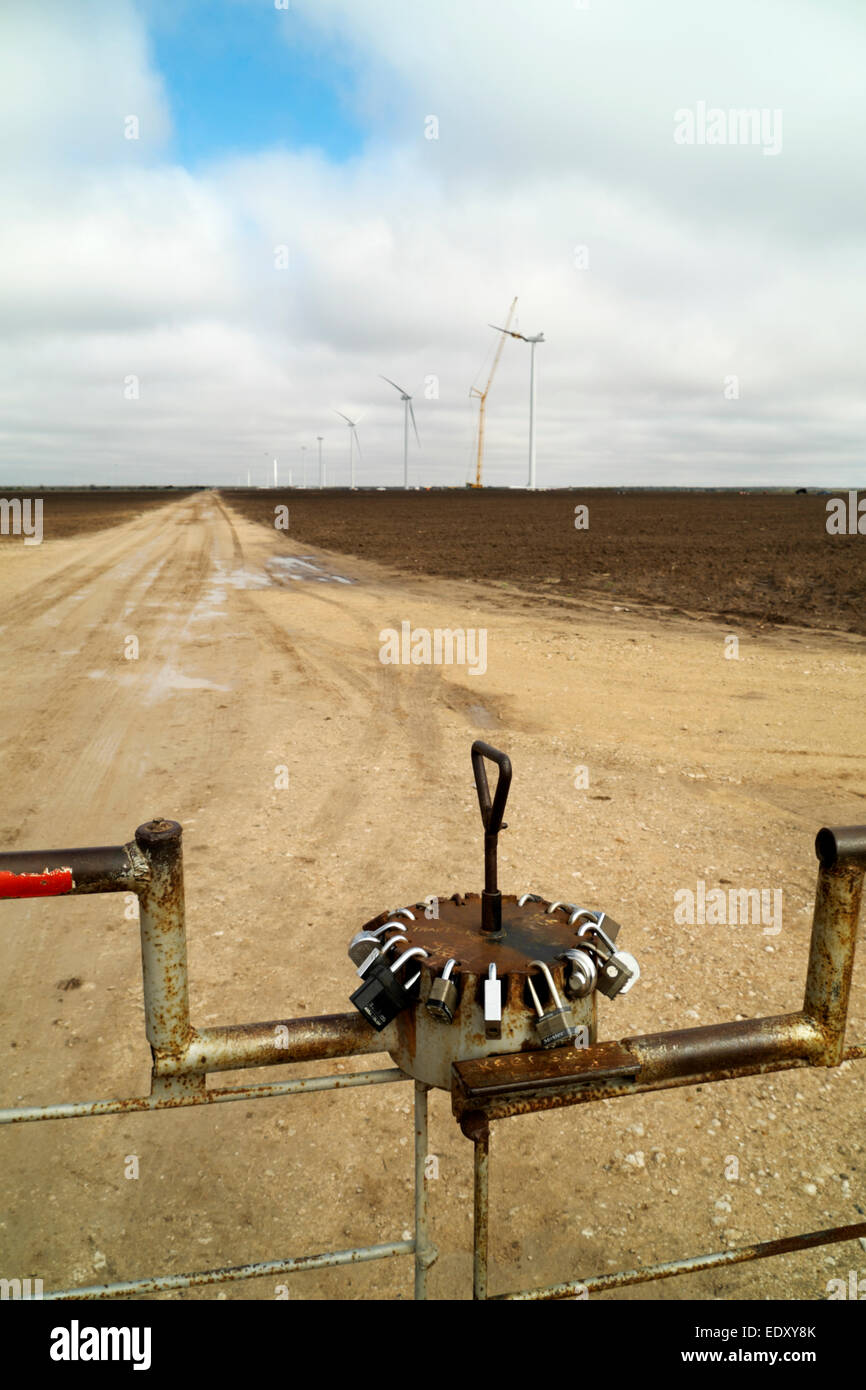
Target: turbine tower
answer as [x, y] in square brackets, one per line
[353, 440]
[533, 342]
[407, 411]
[320, 437]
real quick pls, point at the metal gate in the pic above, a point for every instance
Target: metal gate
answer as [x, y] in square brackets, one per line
[482, 1091]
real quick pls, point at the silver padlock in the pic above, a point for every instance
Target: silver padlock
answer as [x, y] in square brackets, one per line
[553, 1024]
[618, 973]
[583, 975]
[617, 970]
[359, 946]
[492, 1004]
[442, 1000]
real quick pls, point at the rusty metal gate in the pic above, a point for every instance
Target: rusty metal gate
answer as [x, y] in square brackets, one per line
[482, 1090]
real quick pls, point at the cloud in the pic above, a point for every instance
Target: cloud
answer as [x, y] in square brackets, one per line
[253, 295]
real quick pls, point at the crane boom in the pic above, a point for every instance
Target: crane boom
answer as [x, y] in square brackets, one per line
[482, 395]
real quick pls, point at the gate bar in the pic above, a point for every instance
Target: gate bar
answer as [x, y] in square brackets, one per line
[232, 1273]
[742, 1254]
[260, 1091]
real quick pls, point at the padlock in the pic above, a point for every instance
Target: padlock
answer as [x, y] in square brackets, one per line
[382, 996]
[599, 919]
[359, 946]
[583, 975]
[379, 952]
[553, 1024]
[492, 1004]
[591, 932]
[617, 974]
[442, 1000]
[617, 970]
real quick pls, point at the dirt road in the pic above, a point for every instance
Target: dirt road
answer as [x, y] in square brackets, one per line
[699, 767]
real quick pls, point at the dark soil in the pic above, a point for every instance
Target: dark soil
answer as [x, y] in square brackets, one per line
[763, 557]
[71, 511]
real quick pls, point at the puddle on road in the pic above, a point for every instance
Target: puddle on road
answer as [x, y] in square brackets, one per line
[169, 679]
[162, 684]
[482, 718]
[303, 567]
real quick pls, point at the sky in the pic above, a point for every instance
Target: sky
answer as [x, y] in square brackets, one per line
[225, 220]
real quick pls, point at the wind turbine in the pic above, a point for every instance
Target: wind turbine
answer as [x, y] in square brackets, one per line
[320, 437]
[407, 411]
[353, 439]
[539, 338]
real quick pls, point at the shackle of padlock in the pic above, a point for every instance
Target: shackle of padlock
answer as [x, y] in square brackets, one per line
[554, 992]
[360, 945]
[442, 999]
[407, 955]
[569, 907]
[590, 912]
[379, 952]
[552, 1024]
[529, 898]
[597, 930]
[357, 952]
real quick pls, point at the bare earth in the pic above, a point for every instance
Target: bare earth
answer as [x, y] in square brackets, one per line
[699, 768]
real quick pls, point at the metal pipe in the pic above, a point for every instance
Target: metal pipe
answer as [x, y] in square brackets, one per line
[425, 1252]
[230, 1274]
[842, 856]
[277, 1042]
[598, 1283]
[481, 1212]
[842, 842]
[508, 1103]
[163, 937]
[176, 1100]
[105, 869]
[720, 1046]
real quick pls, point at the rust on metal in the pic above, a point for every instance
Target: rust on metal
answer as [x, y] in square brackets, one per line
[742, 1254]
[483, 1088]
[526, 1071]
[270, 1044]
[107, 869]
[528, 933]
[834, 936]
[163, 937]
[481, 1218]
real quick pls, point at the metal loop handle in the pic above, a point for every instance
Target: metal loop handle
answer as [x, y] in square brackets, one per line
[491, 811]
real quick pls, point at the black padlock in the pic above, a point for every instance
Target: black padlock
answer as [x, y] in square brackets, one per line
[383, 996]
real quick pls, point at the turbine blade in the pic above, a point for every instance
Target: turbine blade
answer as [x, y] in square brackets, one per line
[392, 383]
[414, 426]
[510, 331]
[343, 417]
[357, 442]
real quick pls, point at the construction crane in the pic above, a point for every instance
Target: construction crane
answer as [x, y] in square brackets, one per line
[482, 395]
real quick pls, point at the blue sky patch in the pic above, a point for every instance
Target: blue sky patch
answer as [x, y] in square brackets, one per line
[242, 78]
